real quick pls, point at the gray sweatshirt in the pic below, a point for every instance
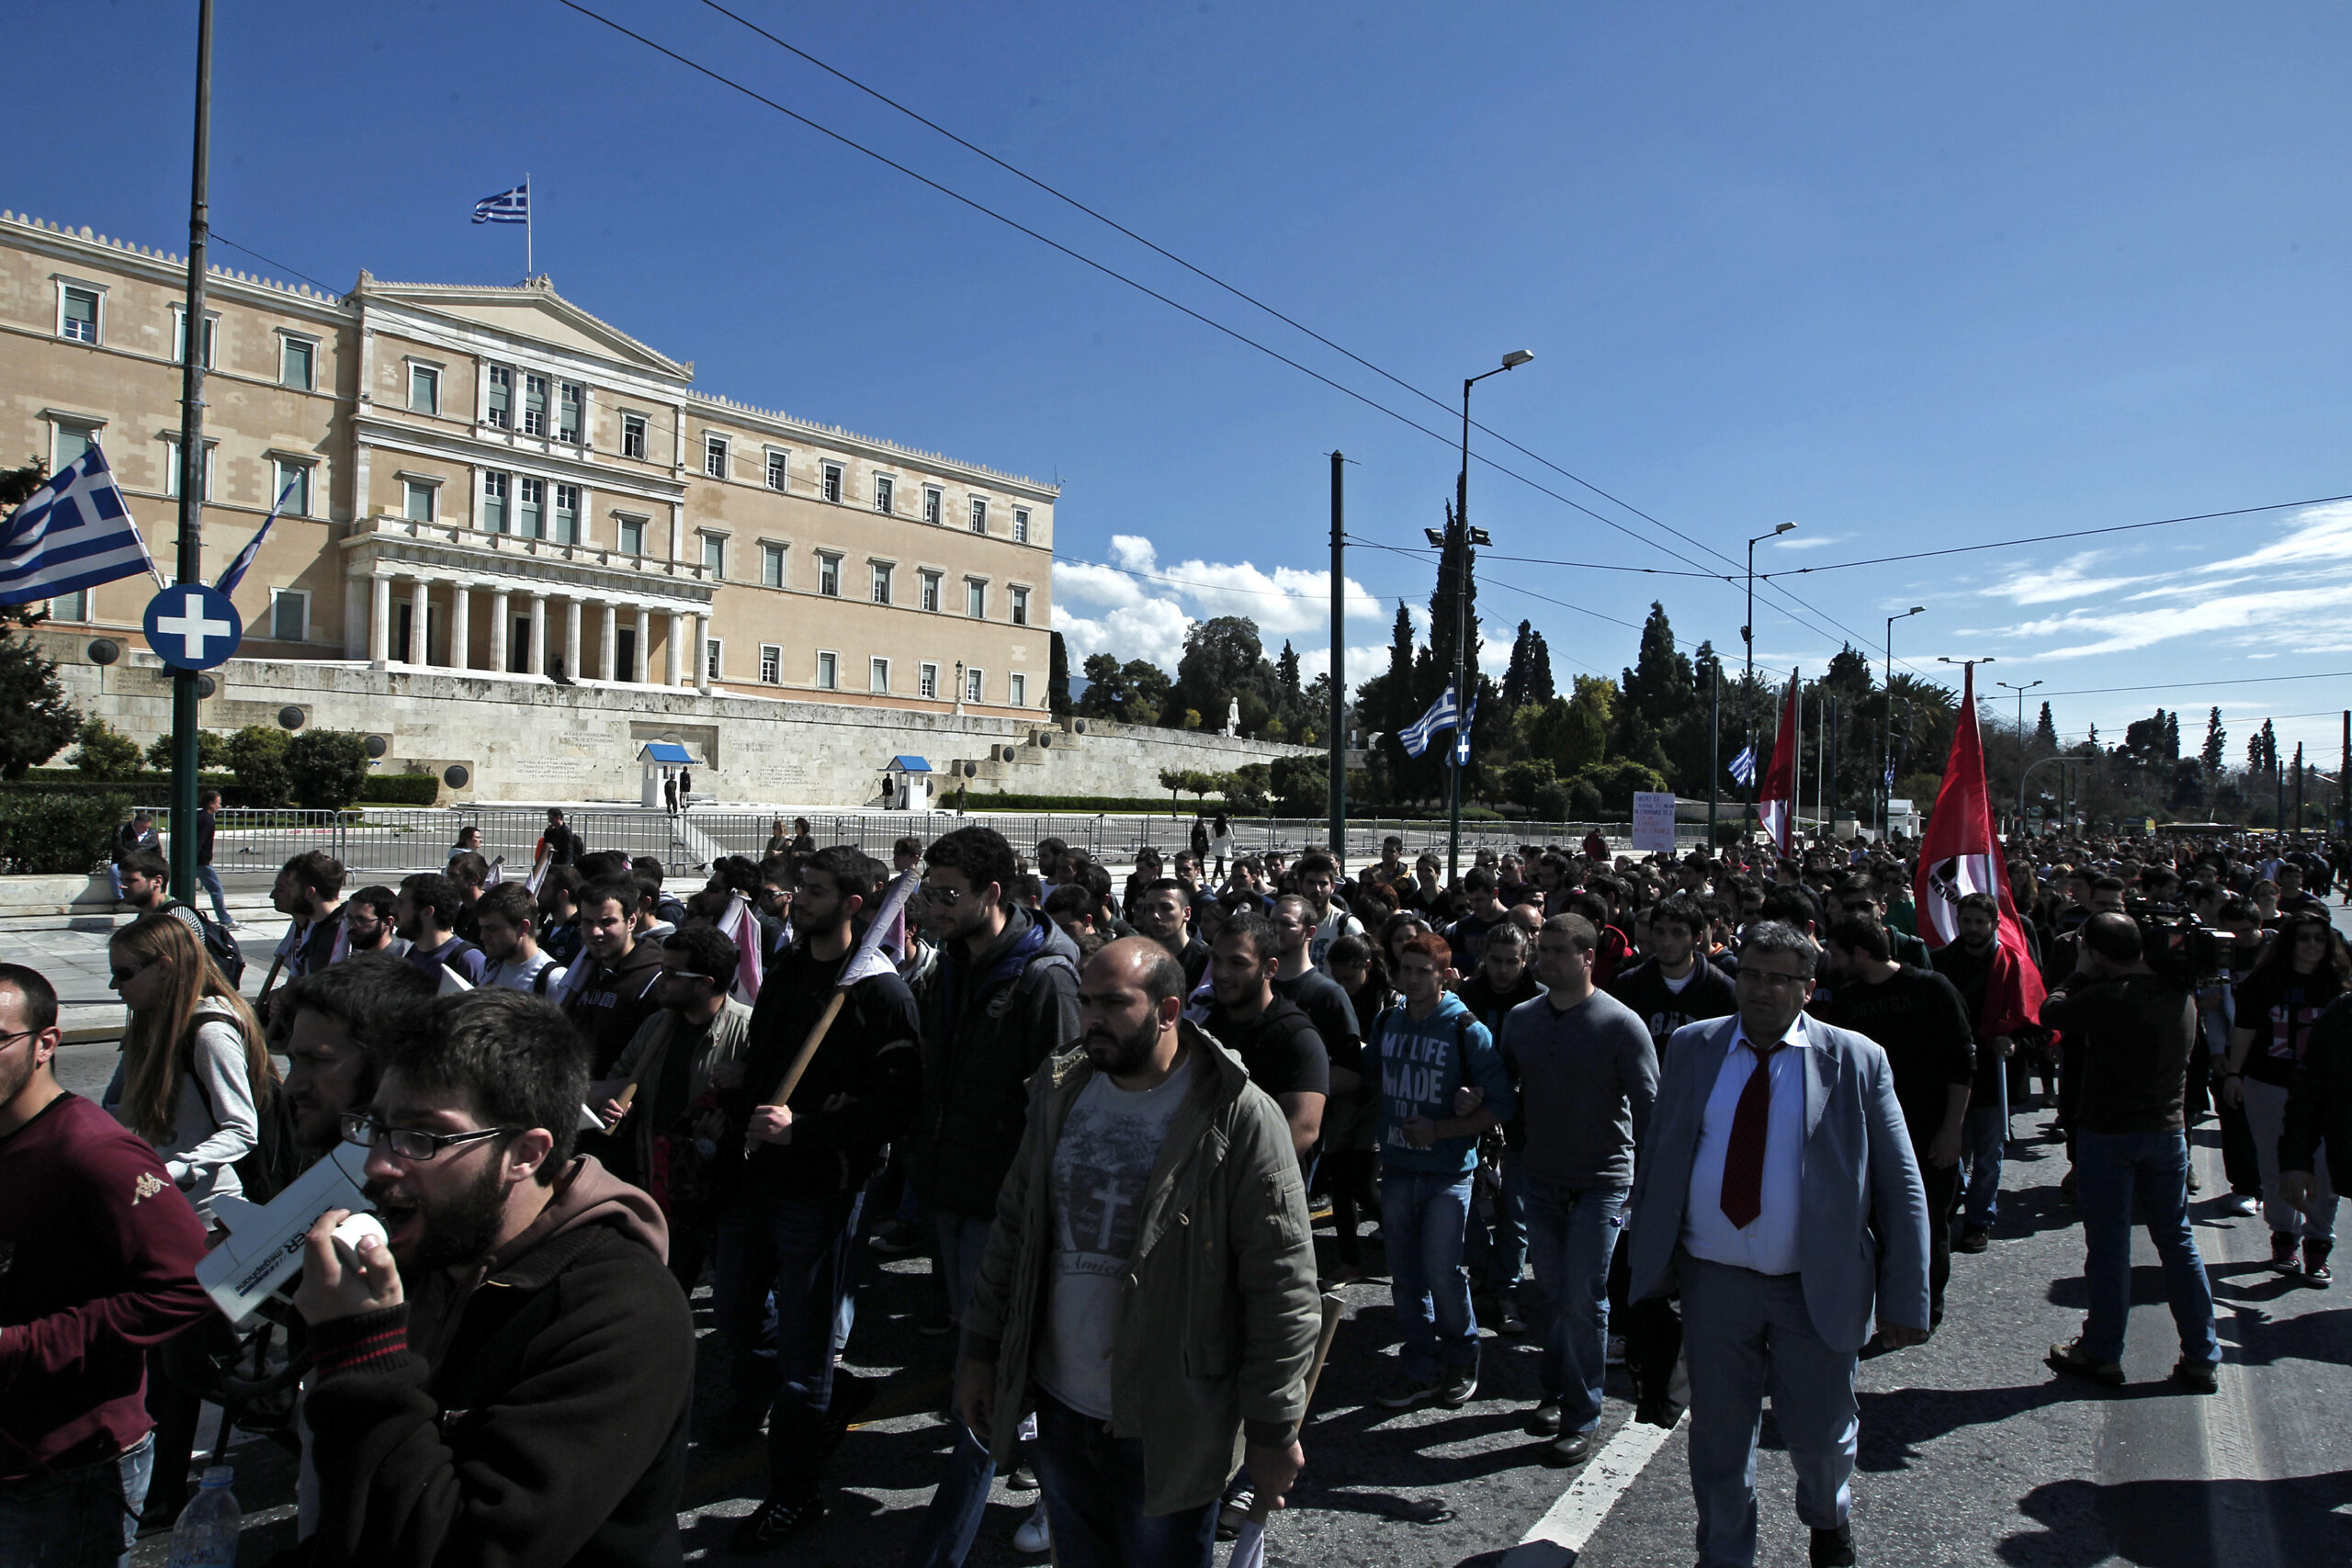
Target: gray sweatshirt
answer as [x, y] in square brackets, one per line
[216, 1124]
[1586, 1080]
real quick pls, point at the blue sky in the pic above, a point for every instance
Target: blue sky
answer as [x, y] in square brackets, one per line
[1911, 277]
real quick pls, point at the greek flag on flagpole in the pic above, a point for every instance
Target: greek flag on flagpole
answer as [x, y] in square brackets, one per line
[1742, 767]
[1461, 756]
[75, 532]
[1416, 736]
[506, 207]
[236, 569]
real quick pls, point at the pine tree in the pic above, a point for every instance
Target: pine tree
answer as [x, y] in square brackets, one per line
[1659, 686]
[1515, 673]
[1540, 685]
[2045, 731]
[1286, 671]
[2172, 736]
[1441, 609]
[1397, 689]
[2216, 737]
[1057, 676]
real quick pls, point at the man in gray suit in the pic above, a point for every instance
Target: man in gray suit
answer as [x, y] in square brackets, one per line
[1777, 1188]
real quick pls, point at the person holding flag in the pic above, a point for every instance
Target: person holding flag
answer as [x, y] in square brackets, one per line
[1776, 807]
[1968, 919]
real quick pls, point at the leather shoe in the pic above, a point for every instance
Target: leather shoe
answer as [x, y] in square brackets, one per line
[1570, 1449]
[1544, 1421]
[1834, 1548]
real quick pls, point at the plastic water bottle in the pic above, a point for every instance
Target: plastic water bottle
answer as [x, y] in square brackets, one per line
[205, 1536]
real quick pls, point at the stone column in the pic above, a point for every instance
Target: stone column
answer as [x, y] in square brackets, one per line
[420, 651]
[699, 645]
[571, 608]
[538, 634]
[460, 625]
[380, 621]
[640, 664]
[605, 653]
[677, 646]
[501, 624]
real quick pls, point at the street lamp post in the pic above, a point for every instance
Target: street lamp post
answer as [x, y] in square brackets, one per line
[1458, 539]
[1886, 724]
[1747, 687]
[2020, 691]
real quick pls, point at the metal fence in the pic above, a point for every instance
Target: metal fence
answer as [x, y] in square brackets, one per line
[379, 841]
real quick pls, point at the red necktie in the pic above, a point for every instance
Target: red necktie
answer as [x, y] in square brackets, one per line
[1743, 1196]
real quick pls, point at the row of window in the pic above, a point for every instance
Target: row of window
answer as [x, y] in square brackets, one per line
[291, 477]
[877, 675]
[718, 464]
[80, 318]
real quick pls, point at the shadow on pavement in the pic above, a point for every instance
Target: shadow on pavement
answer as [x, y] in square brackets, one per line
[2170, 1524]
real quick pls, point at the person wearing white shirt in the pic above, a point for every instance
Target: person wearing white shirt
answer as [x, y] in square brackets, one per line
[1777, 1186]
[506, 917]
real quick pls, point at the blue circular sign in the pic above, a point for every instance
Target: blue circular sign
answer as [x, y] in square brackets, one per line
[191, 627]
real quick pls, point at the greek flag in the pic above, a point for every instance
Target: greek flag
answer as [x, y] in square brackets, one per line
[506, 207]
[1890, 781]
[1742, 767]
[75, 532]
[236, 569]
[1416, 736]
[1460, 757]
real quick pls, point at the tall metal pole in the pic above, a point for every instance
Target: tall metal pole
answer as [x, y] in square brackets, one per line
[2344, 778]
[1338, 669]
[1460, 540]
[185, 717]
[1714, 747]
[1748, 703]
[2298, 787]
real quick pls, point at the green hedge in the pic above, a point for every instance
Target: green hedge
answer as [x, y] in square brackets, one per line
[401, 789]
[153, 789]
[977, 800]
[58, 833]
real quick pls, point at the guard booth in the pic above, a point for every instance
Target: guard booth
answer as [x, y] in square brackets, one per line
[907, 784]
[662, 760]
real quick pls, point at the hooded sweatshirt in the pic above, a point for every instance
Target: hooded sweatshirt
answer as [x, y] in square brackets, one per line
[529, 1408]
[1419, 1062]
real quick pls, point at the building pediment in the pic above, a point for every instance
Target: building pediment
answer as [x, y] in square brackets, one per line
[532, 311]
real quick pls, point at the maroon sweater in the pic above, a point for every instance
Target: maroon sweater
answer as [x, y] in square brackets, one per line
[98, 1260]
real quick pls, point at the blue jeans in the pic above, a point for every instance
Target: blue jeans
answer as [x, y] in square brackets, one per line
[1983, 1137]
[953, 1517]
[1572, 1232]
[1094, 1487]
[83, 1518]
[1500, 1254]
[802, 1249]
[210, 880]
[2110, 1170]
[1422, 1215]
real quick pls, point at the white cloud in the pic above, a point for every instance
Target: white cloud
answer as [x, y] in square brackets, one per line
[2070, 579]
[1809, 541]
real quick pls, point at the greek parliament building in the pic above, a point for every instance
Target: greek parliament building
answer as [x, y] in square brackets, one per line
[520, 540]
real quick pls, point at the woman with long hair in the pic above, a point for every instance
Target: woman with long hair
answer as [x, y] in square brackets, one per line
[195, 1065]
[2304, 969]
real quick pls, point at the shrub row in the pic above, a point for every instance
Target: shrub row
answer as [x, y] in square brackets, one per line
[401, 789]
[58, 833]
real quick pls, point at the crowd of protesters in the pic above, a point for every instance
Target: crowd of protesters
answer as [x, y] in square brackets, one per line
[1114, 1115]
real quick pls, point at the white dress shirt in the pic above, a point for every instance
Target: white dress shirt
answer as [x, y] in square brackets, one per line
[1768, 1244]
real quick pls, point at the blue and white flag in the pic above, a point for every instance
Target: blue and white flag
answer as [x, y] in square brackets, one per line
[1416, 736]
[243, 563]
[1742, 767]
[75, 532]
[1461, 756]
[506, 207]
[1890, 781]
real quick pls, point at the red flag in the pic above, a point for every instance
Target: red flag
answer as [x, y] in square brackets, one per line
[740, 926]
[1961, 856]
[1776, 807]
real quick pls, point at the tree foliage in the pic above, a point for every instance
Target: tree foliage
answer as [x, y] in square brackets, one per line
[326, 769]
[256, 754]
[1133, 692]
[106, 752]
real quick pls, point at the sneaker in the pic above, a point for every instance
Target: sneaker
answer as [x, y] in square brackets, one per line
[1021, 1480]
[1035, 1537]
[772, 1523]
[2245, 1205]
[2283, 1248]
[2072, 1358]
[2198, 1377]
[2315, 1269]
[1615, 1354]
[1573, 1447]
[1509, 1321]
[1544, 1421]
[935, 1327]
[1407, 1395]
[1833, 1548]
[1460, 1387]
[1975, 1238]
[894, 1240]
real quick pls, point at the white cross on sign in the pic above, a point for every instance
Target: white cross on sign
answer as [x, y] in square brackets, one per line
[192, 629]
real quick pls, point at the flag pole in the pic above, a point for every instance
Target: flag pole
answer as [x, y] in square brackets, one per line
[530, 264]
[185, 694]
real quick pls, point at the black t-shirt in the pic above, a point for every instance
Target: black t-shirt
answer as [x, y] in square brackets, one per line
[1969, 973]
[1488, 1005]
[1332, 1013]
[1279, 1047]
[1916, 1017]
[2134, 1033]
[2281, 1009]
[1707, 993]
[871, 1054]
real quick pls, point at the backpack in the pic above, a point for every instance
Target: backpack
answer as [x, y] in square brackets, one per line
[218, 945]
[276, 1158]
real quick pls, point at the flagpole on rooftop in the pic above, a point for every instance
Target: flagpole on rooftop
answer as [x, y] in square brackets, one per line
[184, 725]
[530, 262]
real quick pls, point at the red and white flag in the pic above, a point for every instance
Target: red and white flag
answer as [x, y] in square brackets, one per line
[1777, 805]
[740, 926]
[1961, 856]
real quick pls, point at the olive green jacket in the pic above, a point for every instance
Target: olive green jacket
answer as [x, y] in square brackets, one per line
[1219, 1321]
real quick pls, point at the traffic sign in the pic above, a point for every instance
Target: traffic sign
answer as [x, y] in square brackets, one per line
[191, 627]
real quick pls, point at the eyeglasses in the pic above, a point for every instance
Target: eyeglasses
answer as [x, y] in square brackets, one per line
[1774, 978]
[410, 1142]
[20, 1035]
[945, 897]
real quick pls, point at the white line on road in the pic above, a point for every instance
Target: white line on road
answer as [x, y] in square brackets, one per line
[1568, 1523]
[2237, 1515]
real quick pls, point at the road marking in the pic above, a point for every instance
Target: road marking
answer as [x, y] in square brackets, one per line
[1556, 1538]
[2238, 1520]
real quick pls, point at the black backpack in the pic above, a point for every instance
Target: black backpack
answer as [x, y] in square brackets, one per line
[218, 945]
[276, 1158]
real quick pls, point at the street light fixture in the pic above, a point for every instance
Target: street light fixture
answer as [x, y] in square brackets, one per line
[2020, 691]
[1747, 687]
[1886, 721]
[1460, 537]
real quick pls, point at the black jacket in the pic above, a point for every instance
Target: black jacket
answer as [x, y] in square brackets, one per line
[2319, 1105]
[987, 1024]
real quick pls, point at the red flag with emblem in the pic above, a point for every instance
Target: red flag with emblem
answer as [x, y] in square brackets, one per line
[1776, 807]
[1961, 854]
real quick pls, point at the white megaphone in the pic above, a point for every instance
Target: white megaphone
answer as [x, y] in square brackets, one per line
[264, 1248]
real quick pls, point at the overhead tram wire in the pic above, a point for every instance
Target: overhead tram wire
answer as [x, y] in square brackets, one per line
[1218, 326]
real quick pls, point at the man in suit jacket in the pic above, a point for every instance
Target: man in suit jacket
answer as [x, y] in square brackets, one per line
[1777, 1188]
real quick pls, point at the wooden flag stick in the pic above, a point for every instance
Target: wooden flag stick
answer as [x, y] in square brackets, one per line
[809, 1050]
[1333, 1304]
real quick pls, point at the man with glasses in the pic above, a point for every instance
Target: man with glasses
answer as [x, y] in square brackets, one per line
[100, 1252]
[1777, 1188]
[369, 917]
[1002, 997]
[509, 1376]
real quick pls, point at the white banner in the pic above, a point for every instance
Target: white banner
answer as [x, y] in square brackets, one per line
[1652, 823]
